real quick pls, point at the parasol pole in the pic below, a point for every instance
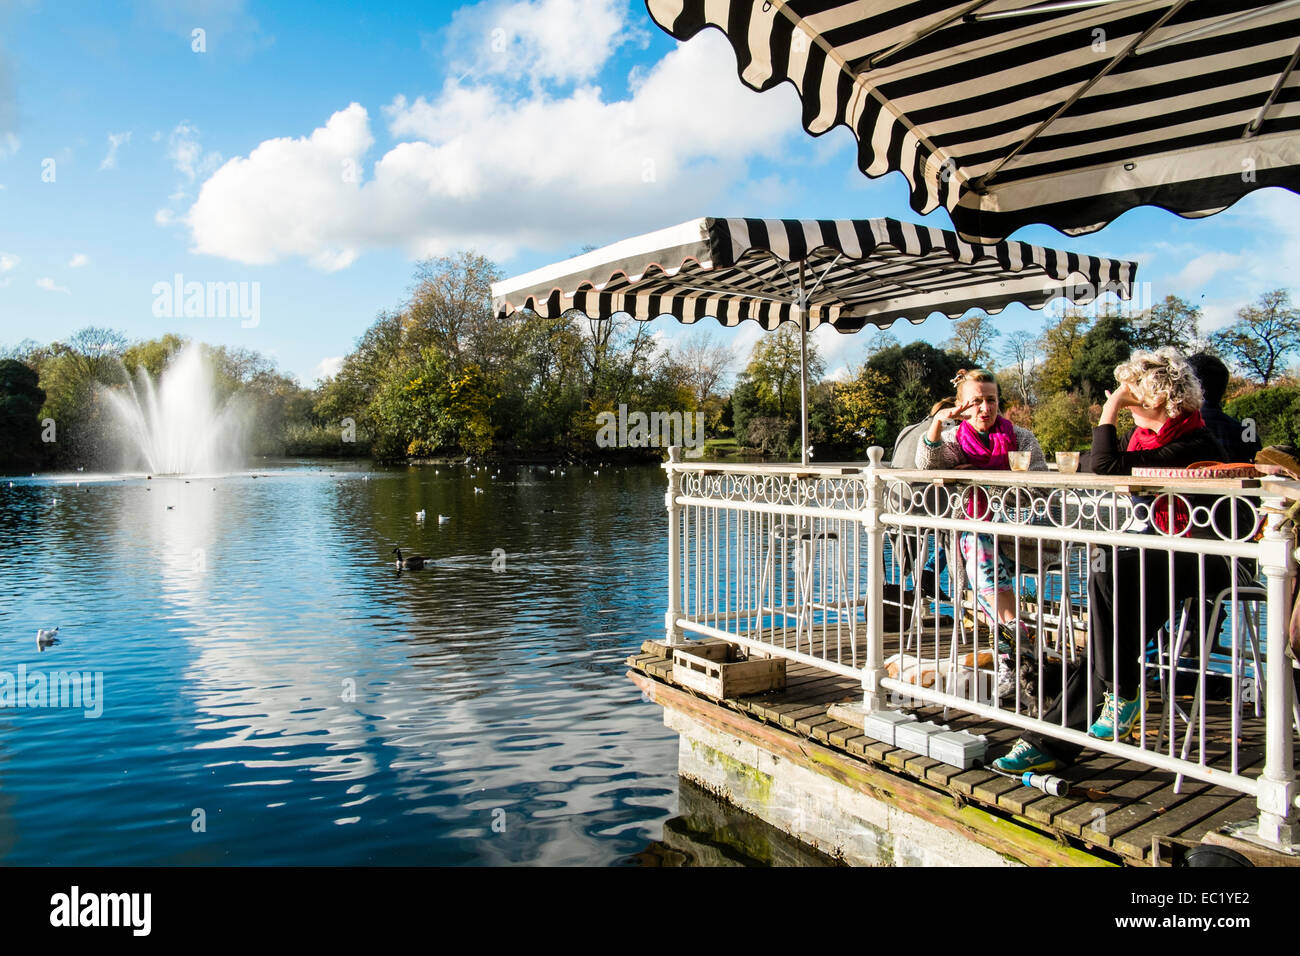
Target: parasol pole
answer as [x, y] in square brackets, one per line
[803, 370]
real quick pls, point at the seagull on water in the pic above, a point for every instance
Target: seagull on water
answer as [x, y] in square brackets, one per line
[419, 515]
[443, 519]
[46, 637]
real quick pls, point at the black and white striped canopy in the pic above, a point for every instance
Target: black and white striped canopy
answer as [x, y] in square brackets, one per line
[855, 272]
[1010, 112]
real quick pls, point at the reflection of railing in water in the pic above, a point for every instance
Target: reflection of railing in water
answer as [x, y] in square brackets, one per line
[780, 560]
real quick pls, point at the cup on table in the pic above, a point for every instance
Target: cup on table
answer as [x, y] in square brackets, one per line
[1067, 462]
[1019, 460]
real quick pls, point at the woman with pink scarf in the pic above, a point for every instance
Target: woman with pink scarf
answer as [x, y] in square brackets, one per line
[973, 435]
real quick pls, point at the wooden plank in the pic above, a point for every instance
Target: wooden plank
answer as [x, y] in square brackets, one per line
[1163, 800]
[1243, 808]
[966, 781]
[1091, 818]
[1136, 842]
[790, 718]
[1019, 801]
[840, 738]
[805, 725]
[823, 732]
[989, 791]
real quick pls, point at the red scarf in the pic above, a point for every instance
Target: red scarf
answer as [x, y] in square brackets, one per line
[1144, 439]
[1168, 512]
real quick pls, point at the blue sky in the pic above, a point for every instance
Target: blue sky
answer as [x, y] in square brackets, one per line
[320, 149]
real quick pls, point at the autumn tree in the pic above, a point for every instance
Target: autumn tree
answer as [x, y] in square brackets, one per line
[774, 369]
[974, 337]
[1059, 343]
[1262, 337]
[1174, 322]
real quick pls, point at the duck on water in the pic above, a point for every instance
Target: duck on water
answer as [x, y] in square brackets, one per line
[412, 563]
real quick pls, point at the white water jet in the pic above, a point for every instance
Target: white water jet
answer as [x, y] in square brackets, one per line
[176, 426]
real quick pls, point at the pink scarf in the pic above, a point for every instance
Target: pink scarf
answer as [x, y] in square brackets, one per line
[994, 455]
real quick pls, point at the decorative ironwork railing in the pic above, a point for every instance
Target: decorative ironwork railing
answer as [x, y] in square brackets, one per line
[1020, 596]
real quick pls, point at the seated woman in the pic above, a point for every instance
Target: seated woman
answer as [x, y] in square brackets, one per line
[1165, 398]
[971, 434]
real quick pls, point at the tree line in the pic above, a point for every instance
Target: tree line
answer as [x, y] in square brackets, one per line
[442, 375]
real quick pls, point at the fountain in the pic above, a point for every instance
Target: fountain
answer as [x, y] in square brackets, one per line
[176, 425]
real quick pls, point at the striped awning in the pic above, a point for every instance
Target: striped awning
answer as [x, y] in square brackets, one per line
[853, 273]
[1010, 112]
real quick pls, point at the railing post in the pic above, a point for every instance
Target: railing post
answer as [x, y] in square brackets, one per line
[873, 695]
[1277, 784]
[674, 635]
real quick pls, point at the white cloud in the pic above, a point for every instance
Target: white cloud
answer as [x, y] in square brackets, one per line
[115, 140]
[9, 144]
[164, 217]
[328, 367]
[1200, 270]
[543, 41]
[48, 285]
[78, 260]
[487, 169]
[186, 153]
[7, 262]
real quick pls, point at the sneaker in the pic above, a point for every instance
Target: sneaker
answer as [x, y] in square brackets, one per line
[1117, 718]
[1024, 758]
[1006, 676]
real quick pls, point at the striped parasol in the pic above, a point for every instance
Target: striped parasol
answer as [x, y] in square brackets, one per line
[845, 273]
[1010, 112]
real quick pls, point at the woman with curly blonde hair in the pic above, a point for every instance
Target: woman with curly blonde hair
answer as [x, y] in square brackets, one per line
[1139, 587]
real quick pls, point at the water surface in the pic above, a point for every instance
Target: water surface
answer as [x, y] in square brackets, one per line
[275, 692]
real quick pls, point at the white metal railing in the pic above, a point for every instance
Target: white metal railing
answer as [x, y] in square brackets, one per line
[1178, 588]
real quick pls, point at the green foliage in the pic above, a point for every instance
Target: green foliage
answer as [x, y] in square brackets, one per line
[1274, 410]
[1062, 422]
[1108, 343]
[1059, 344]
[20, 428]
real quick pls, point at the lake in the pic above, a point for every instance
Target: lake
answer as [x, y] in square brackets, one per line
[274, 691]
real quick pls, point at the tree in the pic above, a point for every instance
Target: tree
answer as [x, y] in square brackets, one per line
[706, 362]
[1174, 322]
[861, 409]
[774, 369]
[1062, 422]
[973, 337]
[1022, 355]
[451, 309]
[1108, 343]
[1262, 337]
[1059, 343]
[20, 405]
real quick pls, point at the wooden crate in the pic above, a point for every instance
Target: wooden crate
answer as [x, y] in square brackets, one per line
[723, 671]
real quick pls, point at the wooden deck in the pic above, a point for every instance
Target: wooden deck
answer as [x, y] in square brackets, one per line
[1116, 809]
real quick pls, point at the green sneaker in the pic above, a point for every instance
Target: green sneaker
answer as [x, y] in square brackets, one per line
[1117, 718]
[1024, 758]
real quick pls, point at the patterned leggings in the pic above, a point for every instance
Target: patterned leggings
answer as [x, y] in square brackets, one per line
[988, 569]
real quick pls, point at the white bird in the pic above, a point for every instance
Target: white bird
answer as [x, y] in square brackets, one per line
[47, 636]
[597, 472]
[478, 491]
[419, 515]
[443, 519]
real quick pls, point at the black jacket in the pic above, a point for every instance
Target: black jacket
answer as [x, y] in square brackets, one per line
[1109, 458]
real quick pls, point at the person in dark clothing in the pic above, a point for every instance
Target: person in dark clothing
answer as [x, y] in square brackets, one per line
[1165, 398]
[1213, 376]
